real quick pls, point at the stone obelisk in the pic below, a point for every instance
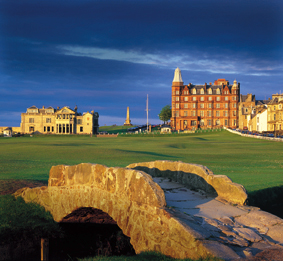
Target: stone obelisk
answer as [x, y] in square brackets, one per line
[128, 121]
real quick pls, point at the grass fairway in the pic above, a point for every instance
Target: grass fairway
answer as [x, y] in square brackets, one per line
[254, 163]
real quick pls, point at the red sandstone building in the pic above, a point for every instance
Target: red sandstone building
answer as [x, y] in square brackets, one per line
[205, 106]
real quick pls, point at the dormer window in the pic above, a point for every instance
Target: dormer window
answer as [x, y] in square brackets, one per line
[202, 91]
[218, 91]
[209, 91]
[194, 91]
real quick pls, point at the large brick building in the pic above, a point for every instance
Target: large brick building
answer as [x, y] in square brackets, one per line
[204, 106]
[58, 121]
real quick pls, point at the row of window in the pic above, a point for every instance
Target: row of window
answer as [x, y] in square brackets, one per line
[65, 116]
[202, 105]
[202, 113]
[48, 120]
[209, 91]
[48, 129]
[218, 98]
[209, 122]
[274, 107]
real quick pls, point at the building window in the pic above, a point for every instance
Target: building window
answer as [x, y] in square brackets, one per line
[218, 91]
[209, 122]
[218, 98]
[177, 98]
[81, 129]
[52, 129]
[201, 122]
[186, 98]
[194, 98]
[226, 98]
[173, 98]
[234, 113]
[234, 98]
[185, 105]
[194, 91]
[235, 122]
[185, 92]
[177, 105]
[193, 105]
[201, 105]
[209, 91]
[234, 105]
[274, 117]
[48, 120]
[185, 113]
[226, 122]
[193, 113]
[217, 113]
[48, 128]
[217, 122]
[202, 91]
[31, 120]
[210, 98]
[274, 107]
[209, 113]
[44, 129]
[202, 98]
[210, 105]
[177, 113]
[173, 92]
[217, 105]
[226, 114]
[226, 105]
[193, 123]
[177, 92]
[202, 113]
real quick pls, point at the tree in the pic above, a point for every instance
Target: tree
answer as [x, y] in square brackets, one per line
[165, 113]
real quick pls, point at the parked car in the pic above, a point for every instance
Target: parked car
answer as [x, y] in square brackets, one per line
[270, 135]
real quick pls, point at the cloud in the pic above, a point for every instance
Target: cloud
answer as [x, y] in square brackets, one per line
[190, 62]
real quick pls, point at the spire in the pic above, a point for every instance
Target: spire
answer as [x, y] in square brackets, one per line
[177, 75]
[235, 85]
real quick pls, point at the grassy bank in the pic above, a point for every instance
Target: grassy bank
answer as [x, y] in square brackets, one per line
[256, 164]
[152, 256]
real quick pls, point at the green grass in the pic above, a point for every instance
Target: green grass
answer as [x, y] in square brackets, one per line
[114, 129]
[146, 256]
[254, 163]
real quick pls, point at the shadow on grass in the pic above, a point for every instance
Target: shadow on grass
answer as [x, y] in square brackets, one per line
[269, 199]
[148, 153]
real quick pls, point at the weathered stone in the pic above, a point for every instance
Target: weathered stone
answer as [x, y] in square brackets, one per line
[220, 250]
[130, 197]
[137, 204]
[248, 234]
[276, 233]
[196, 177]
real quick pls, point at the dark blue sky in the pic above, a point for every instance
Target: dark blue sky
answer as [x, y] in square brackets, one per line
[107, 55]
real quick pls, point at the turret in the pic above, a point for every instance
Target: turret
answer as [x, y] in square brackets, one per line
[177, 81]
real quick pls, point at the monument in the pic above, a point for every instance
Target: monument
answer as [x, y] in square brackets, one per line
[128, 121]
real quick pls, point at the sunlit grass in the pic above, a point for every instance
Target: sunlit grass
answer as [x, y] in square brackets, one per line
[254, 163]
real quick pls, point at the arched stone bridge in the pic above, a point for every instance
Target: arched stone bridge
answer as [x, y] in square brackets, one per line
[134, 201]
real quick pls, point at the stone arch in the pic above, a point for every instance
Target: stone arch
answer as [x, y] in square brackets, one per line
[195, 176]
[131, 198]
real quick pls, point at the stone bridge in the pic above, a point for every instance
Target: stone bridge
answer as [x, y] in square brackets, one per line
[137, 204]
